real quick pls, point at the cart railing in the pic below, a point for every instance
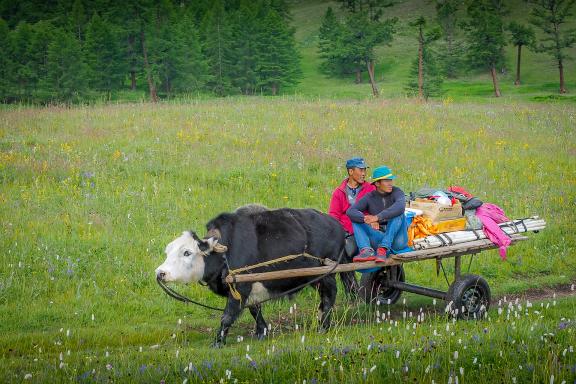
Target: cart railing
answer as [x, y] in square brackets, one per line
[439, 253]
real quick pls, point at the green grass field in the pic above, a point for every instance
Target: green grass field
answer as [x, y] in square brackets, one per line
[90, 196]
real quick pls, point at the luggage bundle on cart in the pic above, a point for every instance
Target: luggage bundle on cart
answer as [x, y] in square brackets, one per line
[449, 223]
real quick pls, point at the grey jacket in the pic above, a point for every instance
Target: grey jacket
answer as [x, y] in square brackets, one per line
[386, 206]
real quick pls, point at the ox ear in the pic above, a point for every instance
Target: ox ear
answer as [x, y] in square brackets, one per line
[215, 246]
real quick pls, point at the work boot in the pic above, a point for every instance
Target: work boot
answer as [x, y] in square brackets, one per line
[366, 254]
[381, 254]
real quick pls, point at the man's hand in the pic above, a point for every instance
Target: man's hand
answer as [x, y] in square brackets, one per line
[369, 219]
[375, 225]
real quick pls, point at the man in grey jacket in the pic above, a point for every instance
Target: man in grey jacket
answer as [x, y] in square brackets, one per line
[384, 226]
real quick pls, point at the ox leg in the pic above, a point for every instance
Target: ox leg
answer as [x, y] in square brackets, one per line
[327, 290]
[231, 313]
[261, 328]
[350, 284]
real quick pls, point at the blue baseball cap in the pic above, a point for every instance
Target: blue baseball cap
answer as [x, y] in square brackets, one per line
[382, 172]
[356, 162]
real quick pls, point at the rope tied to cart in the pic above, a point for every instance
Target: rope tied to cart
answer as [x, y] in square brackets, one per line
[233, 272]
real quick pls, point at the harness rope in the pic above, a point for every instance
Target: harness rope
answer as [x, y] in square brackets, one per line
[271, 262]
[233, 272]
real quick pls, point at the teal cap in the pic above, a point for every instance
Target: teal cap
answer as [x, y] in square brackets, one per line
[382, 172]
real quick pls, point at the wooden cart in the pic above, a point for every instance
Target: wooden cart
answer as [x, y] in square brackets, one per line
[468, 295]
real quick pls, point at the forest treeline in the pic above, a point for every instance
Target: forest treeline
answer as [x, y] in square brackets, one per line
[73, 50]
[81, 50]
[463, 35]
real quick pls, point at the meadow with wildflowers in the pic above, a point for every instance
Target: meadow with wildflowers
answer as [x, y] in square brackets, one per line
[90, 196]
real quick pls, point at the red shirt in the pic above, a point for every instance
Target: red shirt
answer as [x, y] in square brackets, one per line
[339, 203]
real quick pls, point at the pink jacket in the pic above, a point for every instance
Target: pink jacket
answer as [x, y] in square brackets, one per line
[491, 215]
[339, 203]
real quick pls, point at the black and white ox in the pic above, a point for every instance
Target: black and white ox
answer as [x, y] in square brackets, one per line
[251, 235]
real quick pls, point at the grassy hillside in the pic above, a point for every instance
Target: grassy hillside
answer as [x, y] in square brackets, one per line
[539, 72]
[90, 196]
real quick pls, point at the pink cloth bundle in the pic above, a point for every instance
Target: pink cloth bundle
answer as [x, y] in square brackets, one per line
[491, 215]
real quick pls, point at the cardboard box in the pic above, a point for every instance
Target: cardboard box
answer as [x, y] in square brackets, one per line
[437, 212]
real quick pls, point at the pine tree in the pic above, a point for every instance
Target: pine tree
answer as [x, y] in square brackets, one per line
[279, 61]
[216, 35]
[363, 31]
[158, 30]
[6, 63]
[78, 19]
[521, 36]
[245, 25]
[184, 68]
[28, 60]
[486, 39]
[550, 15]
[426, 79]
[106, 68]
[330, 48]
[446, 15]
[66, 70]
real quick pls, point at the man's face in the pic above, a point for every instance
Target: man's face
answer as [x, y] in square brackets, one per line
[384, 185]
[357, 174]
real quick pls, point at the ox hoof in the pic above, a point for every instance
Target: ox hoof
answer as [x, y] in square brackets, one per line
[217, 345]
[260, 336]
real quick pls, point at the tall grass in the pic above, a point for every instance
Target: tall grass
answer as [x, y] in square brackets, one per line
[91, 195]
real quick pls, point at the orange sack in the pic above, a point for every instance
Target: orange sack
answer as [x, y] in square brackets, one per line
[421, 227]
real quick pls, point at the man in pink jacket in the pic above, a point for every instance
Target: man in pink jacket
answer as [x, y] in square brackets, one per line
[352, 189]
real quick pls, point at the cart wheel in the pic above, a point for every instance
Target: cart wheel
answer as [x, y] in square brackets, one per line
[373, 285]
[470, 297]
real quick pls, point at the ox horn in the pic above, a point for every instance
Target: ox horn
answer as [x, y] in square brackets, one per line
[215, 233]
[220, 248]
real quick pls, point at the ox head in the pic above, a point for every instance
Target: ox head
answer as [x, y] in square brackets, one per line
[185, 257]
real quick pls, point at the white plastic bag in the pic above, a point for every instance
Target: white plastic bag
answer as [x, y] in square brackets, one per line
[443, 198]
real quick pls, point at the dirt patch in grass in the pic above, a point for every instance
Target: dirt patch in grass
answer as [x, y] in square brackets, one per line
[535, 294]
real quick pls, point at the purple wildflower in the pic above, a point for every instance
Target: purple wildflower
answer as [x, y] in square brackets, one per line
[85, 375]
[197, 372]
